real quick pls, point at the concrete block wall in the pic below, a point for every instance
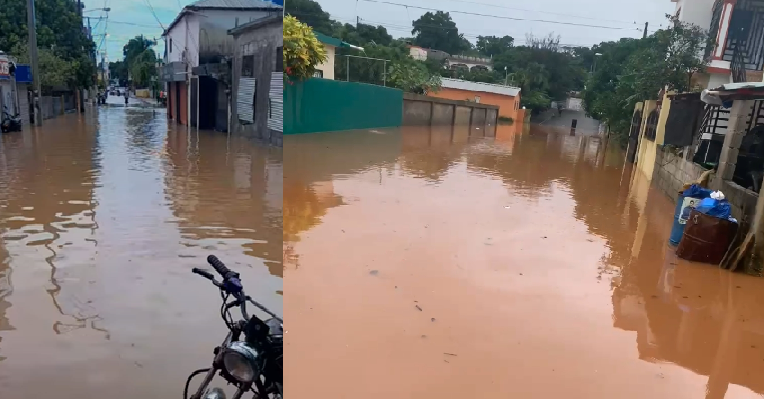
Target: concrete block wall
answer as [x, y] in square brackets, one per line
[421, 110]
[673, 171]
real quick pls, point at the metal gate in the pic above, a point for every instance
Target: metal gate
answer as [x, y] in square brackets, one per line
[276, 102]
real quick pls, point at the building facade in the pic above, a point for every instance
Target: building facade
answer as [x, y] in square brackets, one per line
[258, 67]
[507, 98]
[737, 29]
[198, 54]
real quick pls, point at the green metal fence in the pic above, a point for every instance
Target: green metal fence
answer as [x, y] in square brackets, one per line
[323, 105]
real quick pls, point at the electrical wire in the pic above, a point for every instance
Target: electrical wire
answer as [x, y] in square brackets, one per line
[544, 12]
[498, 16]
[400, 28]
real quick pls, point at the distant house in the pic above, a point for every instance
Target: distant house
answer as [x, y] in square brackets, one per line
[326, 70]
[507, 98]
[198, 52]
[418, 53]
[451, 61]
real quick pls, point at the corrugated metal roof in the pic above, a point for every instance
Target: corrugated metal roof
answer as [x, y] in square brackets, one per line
[477, 86]
[233, 4]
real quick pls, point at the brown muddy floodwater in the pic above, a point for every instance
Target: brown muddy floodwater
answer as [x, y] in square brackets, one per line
[425, 264]
[102, 218]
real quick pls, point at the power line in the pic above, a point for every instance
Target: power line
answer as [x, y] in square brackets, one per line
[498, 16]
[133, 24]
[436, 27]
[544, 12]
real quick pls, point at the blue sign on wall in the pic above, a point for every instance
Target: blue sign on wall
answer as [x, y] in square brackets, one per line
[23, 73]
[279, 2]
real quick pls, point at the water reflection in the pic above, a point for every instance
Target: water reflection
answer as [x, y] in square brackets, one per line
[543, 236]
[101, 218]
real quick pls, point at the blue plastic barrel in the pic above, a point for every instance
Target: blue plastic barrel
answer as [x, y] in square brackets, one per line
[678, 229]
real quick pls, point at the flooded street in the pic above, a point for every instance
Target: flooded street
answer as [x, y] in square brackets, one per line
[102, 217]
[426, 263]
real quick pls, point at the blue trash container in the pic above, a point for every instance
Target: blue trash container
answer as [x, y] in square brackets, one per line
[678, 229]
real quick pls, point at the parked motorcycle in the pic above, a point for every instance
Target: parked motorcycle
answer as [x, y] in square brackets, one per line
[10, 123]
[252, 364]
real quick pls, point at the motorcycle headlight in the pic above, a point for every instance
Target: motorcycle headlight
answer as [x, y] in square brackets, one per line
[242, 362]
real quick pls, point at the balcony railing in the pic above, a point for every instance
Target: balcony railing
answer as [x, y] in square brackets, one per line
[738, 66]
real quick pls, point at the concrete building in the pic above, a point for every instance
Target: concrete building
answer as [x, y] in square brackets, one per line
[258, 66]
[326, 69]
[507, 98]
[738, 28]
[468, 62]
[198, 51]
[451, 61]
[418, 53]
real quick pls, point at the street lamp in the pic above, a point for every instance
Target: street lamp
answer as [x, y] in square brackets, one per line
[594, 65]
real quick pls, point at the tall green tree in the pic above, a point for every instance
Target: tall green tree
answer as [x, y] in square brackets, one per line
[118, 70]
[310, 13]
[438, 31]
[493, 45]
[633, 70]
[59, 33]
[140, 59]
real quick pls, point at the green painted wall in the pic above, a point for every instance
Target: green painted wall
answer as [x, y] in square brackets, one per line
[323, 105]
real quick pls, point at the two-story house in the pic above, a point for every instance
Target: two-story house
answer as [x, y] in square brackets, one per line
[737, 29]
[198, 54]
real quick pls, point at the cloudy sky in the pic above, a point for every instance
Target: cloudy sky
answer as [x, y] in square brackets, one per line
[579, 22]
[129, 18]
[606, 19]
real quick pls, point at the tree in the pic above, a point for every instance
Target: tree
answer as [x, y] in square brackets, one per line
[118, 70]
[634, 70]
[493, 45]
[59, 34]
[143, 68]
[54, 70]
[310, 13]
[437, 31]
[550, 42]
[413, 78]
[302, 51]
[140, 60]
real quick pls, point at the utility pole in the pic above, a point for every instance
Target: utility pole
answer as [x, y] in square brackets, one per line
[33, 60]
[644, 32]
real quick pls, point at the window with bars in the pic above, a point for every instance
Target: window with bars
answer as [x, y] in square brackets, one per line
[651, 124]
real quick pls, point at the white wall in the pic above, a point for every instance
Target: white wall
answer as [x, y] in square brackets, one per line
[328, 66]
[717, 79]
[417, 53]
[185, 34]
[697, 12]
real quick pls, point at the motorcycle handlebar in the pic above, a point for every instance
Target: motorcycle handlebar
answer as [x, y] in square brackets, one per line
[220, 267]
[203, 273]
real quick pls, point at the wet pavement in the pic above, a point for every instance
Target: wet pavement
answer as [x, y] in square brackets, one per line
[102, 217]
[426, 263]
